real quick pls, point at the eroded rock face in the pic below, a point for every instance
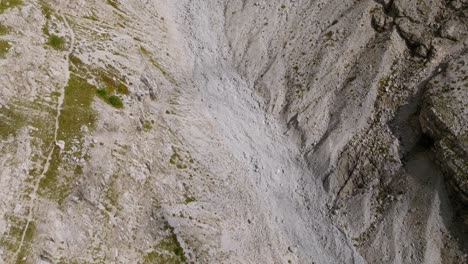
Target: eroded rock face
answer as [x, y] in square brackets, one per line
[444, 118]
[233, 131]
[421, 23]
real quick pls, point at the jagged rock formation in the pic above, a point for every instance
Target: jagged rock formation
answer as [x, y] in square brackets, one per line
[233, 131]
[444, 118]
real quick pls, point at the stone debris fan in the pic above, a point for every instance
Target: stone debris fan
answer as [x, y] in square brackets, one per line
[233, 131]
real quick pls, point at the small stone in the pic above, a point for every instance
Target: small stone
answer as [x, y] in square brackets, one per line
[452, 29]
[60, 144]
[378, 20]
[422, 51]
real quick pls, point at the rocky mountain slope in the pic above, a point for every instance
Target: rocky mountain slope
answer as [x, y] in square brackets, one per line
[189, 131]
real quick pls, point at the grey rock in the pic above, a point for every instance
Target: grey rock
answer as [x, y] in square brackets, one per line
[386, 3]
[379, 20]
[453, 29]
[458, 4]
[444, 117]
[413, 33]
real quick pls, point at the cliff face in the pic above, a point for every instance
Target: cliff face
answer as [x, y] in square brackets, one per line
[233, 131]
[359, 88]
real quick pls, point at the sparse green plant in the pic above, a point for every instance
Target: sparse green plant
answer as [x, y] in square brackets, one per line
[122, 88]
[189, 199]
[115, 101]
[5, 4]
[111, 203]
[56, 42]
[172, 244]
[12, 239]
[45, 30]
[148, 125]
[47, 11]
[4, 30]
[176, 159]
[168, 250]
[4, 48]
[115, 4]
[102, 93]
[92, 17]
[181, 166]
[76, 112]
[112, 100]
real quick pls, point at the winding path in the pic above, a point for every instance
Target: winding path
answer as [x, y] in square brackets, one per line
[33, 195]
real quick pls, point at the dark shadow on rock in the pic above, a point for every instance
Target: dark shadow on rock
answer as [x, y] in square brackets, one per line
[417, 155]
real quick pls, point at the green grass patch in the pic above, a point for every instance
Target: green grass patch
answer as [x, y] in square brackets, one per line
[122, 89]
[175, 157]
[111, 197]
[168, 250]
[148, 125]
[115, 101]
[4, 48]
[102, 93]
[24, 254]
[111, 84]
[56, 42]
[11, 240]
[4, 30]
[46, 9]
[6, 4]
[76, 113]
[172, 244]
[11, 120]
[189, 199]
[92, 17]
[115, 5]
[18, 114]
[109, 79]
[45, 30]
[77, 65]
[112, 100]
[178, 160]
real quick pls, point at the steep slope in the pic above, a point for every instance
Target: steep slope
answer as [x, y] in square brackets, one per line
[348, 80]
[232, 131]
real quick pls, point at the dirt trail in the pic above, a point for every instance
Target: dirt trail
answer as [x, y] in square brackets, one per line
[34, 193]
